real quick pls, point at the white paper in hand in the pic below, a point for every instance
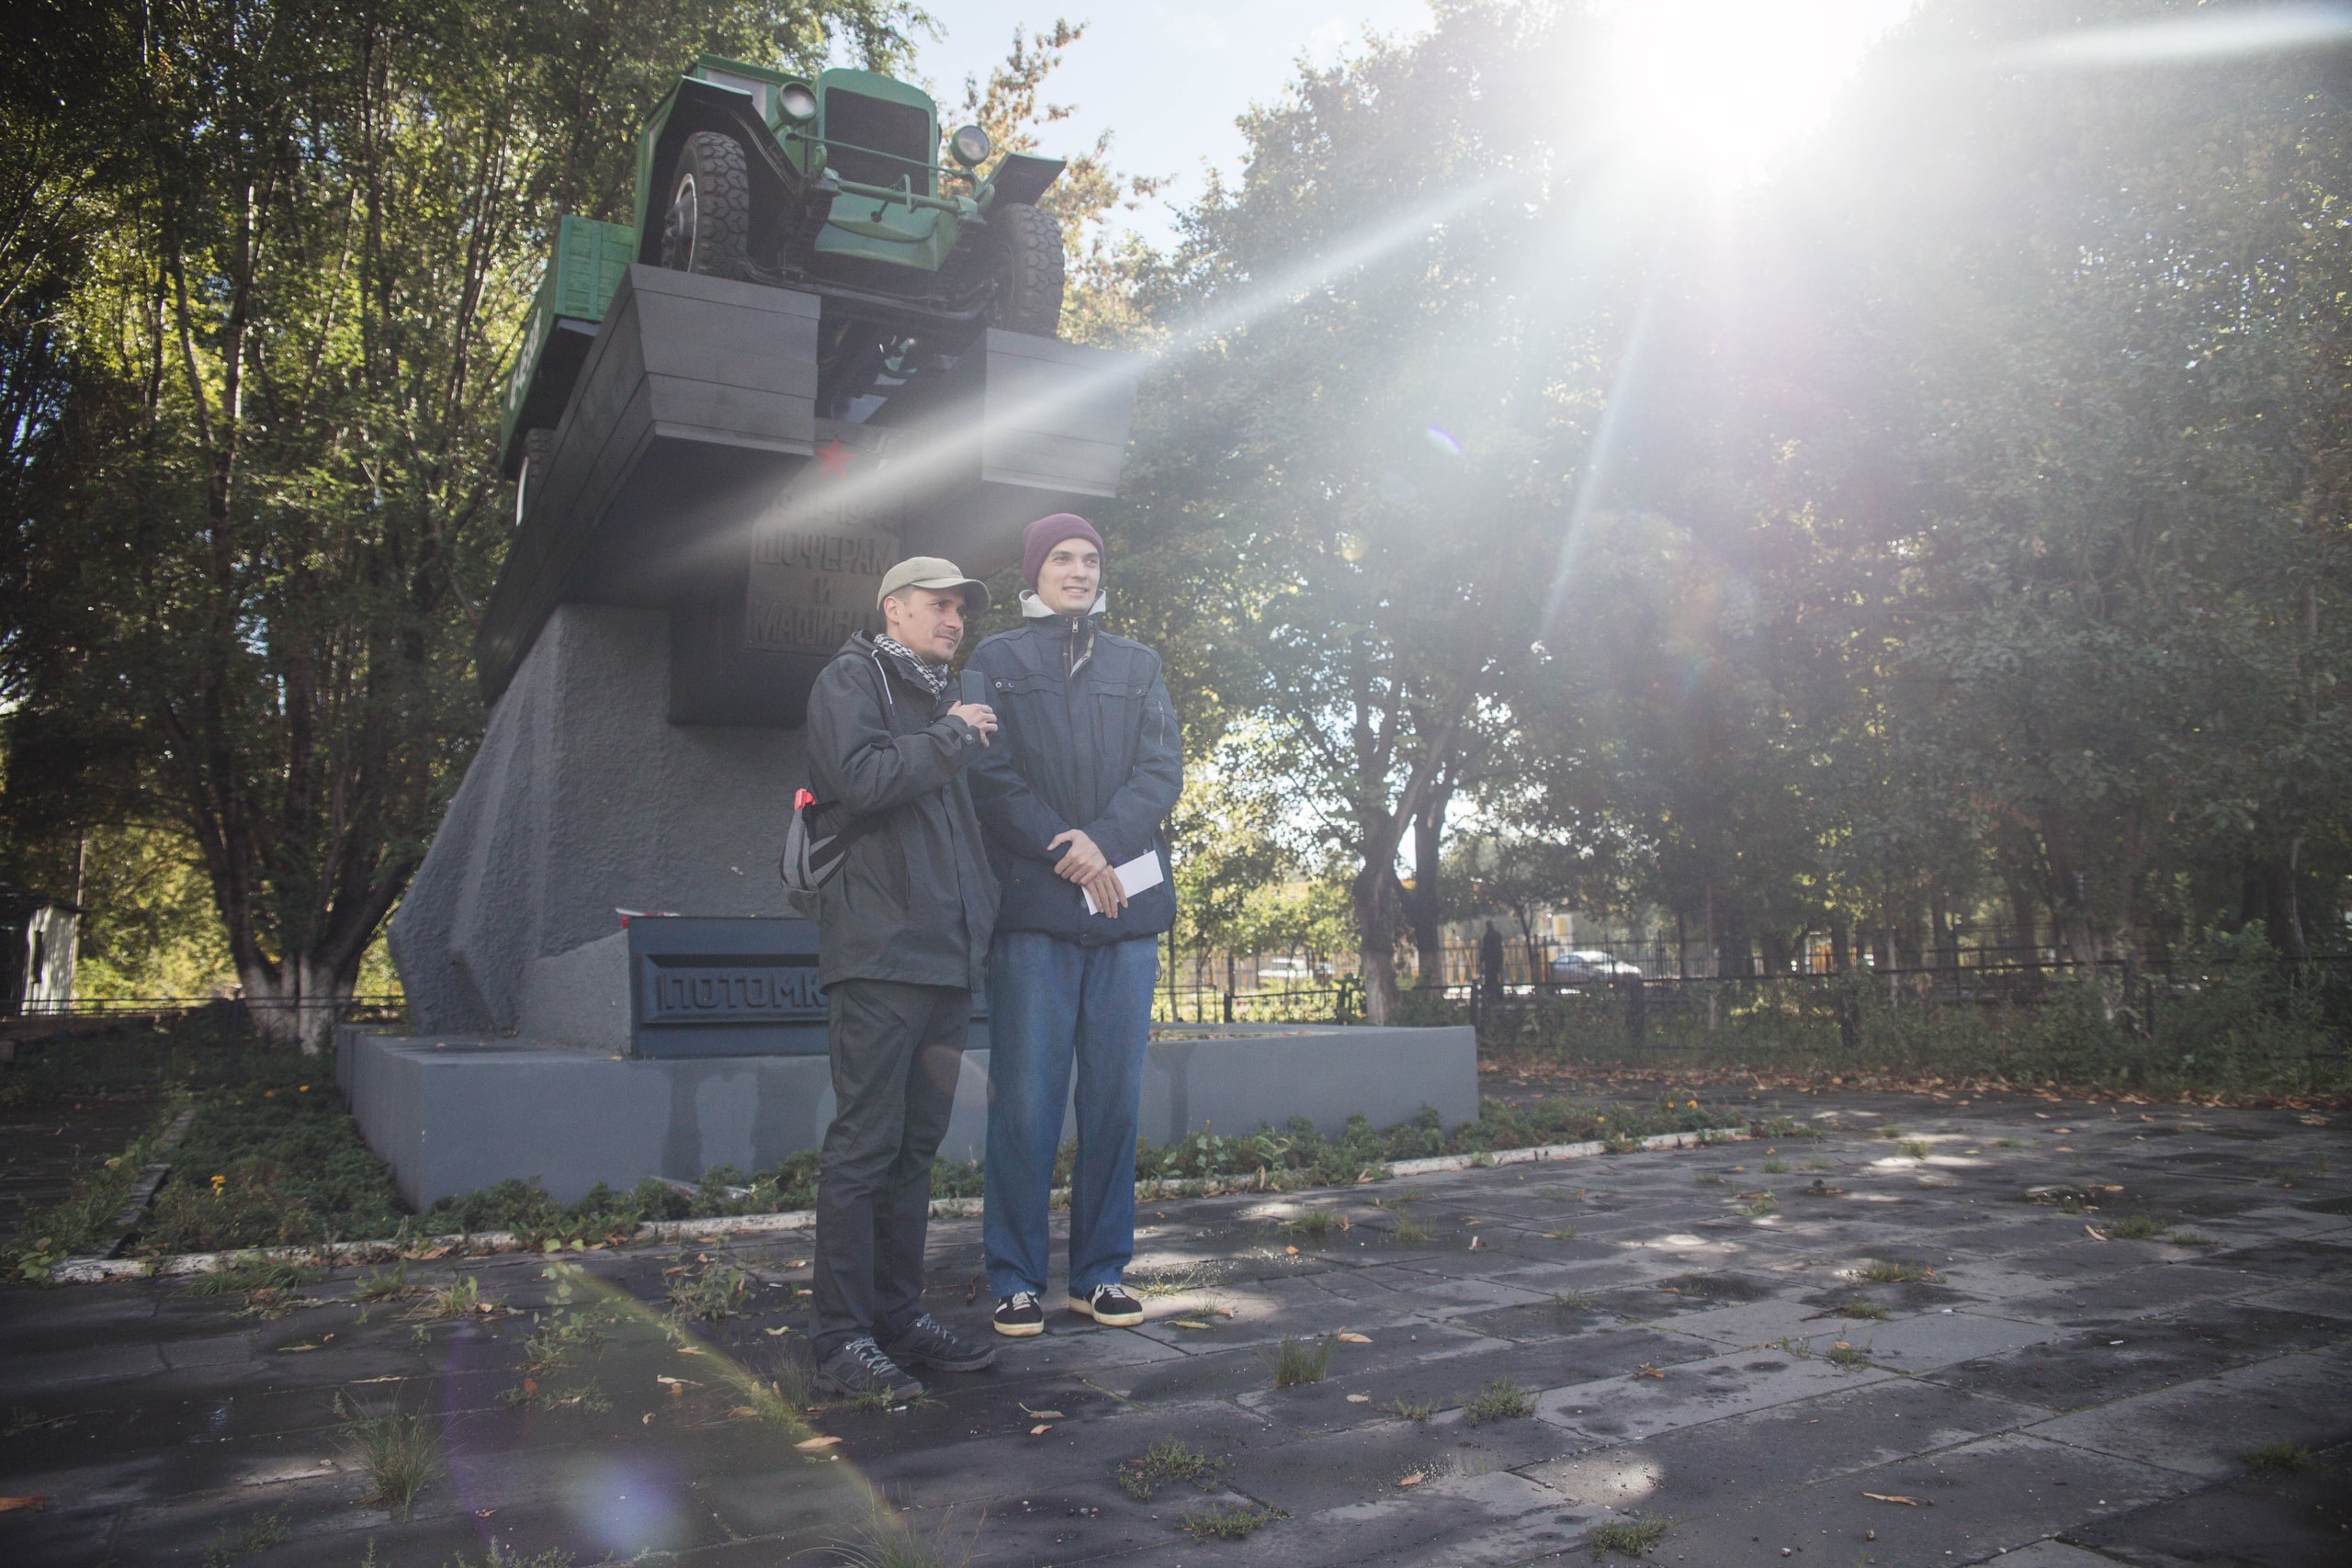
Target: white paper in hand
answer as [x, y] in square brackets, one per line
[1135, 876]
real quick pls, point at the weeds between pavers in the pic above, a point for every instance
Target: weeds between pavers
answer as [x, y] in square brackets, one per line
[2288, 1459]
[1847, 1357]
[1300, 1361]
[1413, 1409]
[1632, 1538]
[1165, 1464]
[384, 1285]
[397, 1451]
[885, 1540]
[1500, 1399]
[1565, 1233]
[266, 1286]
[1775, 1166]
[702, 1287]
[1868, 1311]
[261, 1532]
[553, 1557]
[460, 1298]
[1893, 1271]
[2136, 1227]
[1227, 1524]
[1918, 1148]
[1761, 1204]
[1315, 1224]
[1573, 1301]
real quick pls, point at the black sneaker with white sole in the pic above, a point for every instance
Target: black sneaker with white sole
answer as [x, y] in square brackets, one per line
[1108, 1305]
[1020, 1314]
[929, 1343]
[860, 1368]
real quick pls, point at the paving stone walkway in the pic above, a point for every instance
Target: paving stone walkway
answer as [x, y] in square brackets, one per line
[2039, 1388]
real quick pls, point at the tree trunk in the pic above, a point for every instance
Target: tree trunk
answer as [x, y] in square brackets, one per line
[1425, 906]
[1375, 901]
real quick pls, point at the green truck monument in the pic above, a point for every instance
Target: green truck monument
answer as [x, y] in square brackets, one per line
[832, 186]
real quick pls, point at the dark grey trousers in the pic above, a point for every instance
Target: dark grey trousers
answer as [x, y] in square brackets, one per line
[897, 1050]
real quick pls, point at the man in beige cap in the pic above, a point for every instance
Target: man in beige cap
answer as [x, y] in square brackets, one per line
[904, 931]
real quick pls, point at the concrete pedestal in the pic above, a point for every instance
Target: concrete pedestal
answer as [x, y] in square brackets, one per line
[454, 1114]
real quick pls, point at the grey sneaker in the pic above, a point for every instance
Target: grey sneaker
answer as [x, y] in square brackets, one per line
[860, 1366]
[928, 1343]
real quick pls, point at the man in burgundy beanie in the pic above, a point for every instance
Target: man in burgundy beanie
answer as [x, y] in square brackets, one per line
[1071, 813]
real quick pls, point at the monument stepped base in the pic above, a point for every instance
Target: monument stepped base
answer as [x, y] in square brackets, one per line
[455, 1113]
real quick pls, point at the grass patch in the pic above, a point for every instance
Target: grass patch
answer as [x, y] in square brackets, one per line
[1761, 1204]
[2136, 1227]
[1775, 1166]
[885, 1540]
[1315, 1224]
[2287, 1459]
[1165, 1464]
[1707, 1178]
[1300, 1361]
[1868, 1312]
[1227, 1524]
[254, 1279]
[1893, 1271]
[1630, 1538]
[706, 1287]
[459, 1299]
[1500, 1399]
[1890, 1131]
[83, 1222]
[1413, 1409]
[1918, 1148]
[384, 1285]
[1408, 1230]
[1846, 1356]
[1565, 1233]
[261, 1532]
[1821, 1165]
[1573, 1301]
[1791, 1345]
[397, 1451]
[2005, 1143]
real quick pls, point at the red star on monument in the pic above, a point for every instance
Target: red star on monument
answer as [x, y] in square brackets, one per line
[833, 458]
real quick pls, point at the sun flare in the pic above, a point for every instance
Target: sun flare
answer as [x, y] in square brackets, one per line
[1721, 86]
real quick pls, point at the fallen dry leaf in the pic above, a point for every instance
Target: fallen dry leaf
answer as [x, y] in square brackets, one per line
[1414, 1479]
[1474, 1243]
[2307, 1120]
[1041, 1428]
[484, 1513]
[688, 1350]
[1040, 1415]
[530, 1385]
[1289, 1252]
[13, 1505]
[1646, 1371]
[1188, 1322]
[1350, 1337]
[774, 1331]
[1224, 1312]
[646, 1419]
[810, 1445]
[2095, 1233]
[740, 1410]
[1898, 1497]
[1358, 1399]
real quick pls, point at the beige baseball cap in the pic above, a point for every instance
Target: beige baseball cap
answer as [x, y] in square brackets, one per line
[938, 574]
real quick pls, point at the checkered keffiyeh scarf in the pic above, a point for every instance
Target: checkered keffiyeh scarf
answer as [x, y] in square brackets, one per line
[933, 676]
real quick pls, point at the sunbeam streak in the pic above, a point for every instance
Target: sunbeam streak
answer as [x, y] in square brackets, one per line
[929, 452]
[1595, 476]
[2187, 40]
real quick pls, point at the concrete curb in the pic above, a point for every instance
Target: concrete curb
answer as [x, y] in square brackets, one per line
[100, 1271]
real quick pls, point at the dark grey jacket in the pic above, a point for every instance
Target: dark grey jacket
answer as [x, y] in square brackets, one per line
[1101, 753]
[915, 900]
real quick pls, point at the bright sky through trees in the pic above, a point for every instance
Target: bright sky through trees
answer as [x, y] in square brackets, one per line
[1718, 87]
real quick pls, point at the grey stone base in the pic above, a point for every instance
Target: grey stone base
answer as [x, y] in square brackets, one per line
[455, 1113]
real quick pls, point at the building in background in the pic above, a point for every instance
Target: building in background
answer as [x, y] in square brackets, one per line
[36, 937]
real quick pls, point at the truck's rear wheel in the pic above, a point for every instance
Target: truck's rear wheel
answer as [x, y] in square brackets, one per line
[709, 225]
[1024, 257]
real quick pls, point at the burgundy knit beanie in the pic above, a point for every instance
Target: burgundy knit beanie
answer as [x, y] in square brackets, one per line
[1038, 539]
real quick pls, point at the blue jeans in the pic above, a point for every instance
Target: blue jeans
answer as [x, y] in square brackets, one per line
[1052, 1002]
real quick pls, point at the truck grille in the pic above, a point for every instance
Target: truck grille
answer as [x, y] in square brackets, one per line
[878, 142]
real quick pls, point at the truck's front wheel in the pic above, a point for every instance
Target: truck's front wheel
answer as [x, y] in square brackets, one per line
[1024, 252]
[709, 225]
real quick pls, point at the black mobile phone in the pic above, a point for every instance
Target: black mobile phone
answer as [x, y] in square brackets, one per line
[975, 687]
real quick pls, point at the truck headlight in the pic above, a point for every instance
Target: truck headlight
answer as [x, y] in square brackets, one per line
[969, 146]
[798, 101]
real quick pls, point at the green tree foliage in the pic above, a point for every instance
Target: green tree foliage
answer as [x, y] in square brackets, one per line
[262, 265]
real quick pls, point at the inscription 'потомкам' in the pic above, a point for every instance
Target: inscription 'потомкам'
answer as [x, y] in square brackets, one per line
[732, 995]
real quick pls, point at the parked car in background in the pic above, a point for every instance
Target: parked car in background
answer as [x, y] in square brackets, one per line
[1292, 972]
[1588, 965]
